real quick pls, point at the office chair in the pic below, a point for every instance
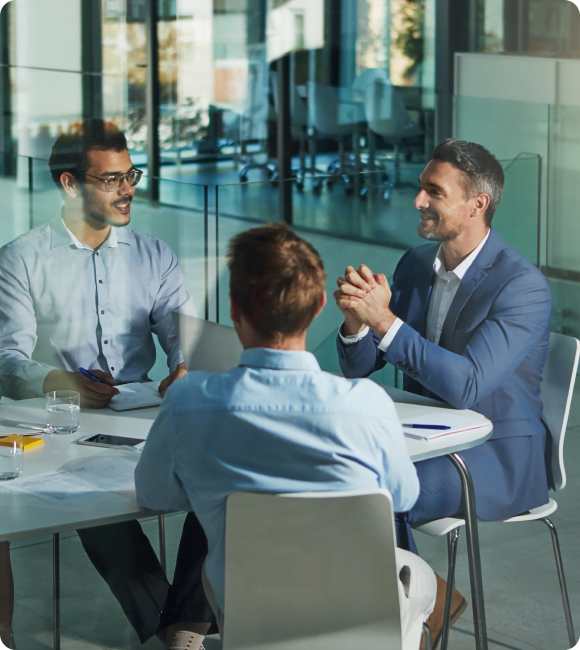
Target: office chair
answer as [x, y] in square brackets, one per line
[387, 116]
[312, 570]
[556, 389]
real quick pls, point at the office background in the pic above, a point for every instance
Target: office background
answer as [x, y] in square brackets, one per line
[190, 83]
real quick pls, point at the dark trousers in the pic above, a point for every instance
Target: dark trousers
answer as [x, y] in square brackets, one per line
[124, 557]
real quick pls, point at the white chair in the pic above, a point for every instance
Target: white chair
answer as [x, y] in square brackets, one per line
[254, 117]
[311, 570]
[299, 130]
[387, 116]
[334, 115]
[556, 392]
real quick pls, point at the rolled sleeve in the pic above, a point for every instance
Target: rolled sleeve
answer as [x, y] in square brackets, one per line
[171, 297]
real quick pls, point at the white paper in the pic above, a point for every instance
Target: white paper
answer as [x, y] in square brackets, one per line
[89, 477]
[135, 396]
[457, 423]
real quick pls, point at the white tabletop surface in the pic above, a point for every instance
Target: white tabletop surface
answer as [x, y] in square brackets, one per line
[25, 514]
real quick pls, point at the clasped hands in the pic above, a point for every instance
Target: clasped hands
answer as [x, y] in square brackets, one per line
[364, 297]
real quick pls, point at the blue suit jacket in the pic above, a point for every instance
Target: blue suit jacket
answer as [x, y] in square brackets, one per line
[489, 359]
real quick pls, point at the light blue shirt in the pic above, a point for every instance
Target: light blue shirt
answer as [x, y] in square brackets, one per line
[275, 424]
[64, 305]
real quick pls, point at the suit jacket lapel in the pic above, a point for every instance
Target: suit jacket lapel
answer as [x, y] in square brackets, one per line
[419, 303]
[472, 279]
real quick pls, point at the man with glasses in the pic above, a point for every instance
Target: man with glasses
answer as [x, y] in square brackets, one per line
[84, 290]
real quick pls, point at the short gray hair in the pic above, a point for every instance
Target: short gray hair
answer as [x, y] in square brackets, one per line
[484, 172]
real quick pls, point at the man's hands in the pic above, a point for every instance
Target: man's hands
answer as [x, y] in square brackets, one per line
[92, 392]
[364, 299]
[178, 373]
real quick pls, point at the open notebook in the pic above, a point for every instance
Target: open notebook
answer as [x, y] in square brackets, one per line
[136, 396]
[458, 423]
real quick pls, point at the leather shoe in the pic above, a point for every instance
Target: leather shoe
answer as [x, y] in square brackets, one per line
[435, 621]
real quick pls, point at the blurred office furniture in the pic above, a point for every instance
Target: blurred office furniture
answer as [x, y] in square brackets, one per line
[299, 124]
[387, 116]
[557, 389]
[311, 570]
[340, 118]
[256, 112]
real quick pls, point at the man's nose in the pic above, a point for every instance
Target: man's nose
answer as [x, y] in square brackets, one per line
[421, 200]
[126, 188]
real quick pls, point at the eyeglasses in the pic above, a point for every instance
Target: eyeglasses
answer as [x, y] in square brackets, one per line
[114, 182]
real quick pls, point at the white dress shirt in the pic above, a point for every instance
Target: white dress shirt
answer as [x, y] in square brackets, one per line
[444, 290]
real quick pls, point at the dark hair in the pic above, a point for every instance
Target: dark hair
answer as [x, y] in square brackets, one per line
[70, 151]
[483, 171]
[276, 278]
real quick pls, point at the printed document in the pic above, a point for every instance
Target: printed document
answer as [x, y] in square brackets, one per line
[136, 396]
[85, 478]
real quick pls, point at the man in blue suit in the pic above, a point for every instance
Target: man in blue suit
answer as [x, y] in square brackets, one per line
[467, 319]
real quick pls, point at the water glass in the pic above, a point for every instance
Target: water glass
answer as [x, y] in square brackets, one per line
[63, 411]
[11, 456]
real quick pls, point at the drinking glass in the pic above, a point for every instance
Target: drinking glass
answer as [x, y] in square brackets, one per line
[11, 456]
[63, 411]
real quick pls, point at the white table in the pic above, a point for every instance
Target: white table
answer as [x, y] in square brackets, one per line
[25, 514]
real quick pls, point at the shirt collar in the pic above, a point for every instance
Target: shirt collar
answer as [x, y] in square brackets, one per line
[461, 269]
[279, 359]
[62, 236]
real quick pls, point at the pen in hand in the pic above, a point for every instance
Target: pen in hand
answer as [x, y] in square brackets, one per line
[90, 375]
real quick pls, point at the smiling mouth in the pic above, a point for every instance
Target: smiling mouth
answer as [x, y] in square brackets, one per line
[123, 207]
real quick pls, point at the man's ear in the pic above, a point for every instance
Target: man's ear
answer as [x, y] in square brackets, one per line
[235, 313]
[69, 184]
[480, 204]
[321, 304]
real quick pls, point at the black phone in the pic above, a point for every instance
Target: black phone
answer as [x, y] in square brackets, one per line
[106, 440]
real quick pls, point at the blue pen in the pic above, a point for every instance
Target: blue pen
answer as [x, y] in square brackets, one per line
[436, 427]
[90, 375]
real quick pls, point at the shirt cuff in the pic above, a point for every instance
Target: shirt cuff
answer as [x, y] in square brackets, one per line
[390, 335]
[352, 338]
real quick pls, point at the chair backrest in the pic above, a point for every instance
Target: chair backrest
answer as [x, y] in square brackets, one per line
[311, 570]
[328, 114]
[386, 113]
[298, 111]
[366, 77]
[556, 392]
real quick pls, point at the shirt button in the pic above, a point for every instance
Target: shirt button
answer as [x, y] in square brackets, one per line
[97, 253]
[100, 282]
[112, 369]
[106, 342]
[102, 311]
[448, 288]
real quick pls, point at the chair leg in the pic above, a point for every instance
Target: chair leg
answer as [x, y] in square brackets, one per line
[452, 540]
[427, 637]
[562, 579]
[56, 590]
[162, 551]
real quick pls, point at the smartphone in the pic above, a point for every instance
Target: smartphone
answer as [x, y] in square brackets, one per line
[106, 440]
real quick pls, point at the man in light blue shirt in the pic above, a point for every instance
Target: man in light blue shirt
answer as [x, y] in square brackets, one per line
[86, 291]
[276, 423]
